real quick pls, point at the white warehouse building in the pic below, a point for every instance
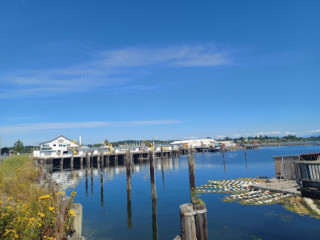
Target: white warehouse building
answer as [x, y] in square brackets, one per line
[196, 143]
[57, 147]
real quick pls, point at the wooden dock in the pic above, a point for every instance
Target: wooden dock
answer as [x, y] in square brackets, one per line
[95, 160]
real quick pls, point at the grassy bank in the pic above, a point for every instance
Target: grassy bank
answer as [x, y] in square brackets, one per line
[28, 210]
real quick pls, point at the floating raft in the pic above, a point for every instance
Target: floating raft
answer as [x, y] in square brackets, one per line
[241, 191]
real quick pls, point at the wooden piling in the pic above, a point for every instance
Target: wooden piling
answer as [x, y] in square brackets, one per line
[187, 222]
[201, 221]
[61, 164]
[192, 181]
[116, 160]
[71, 162]
[102, 160]
[128, 169]
[98, 161]
[87, 160]
[107, 160]
[81, 162]
[152, 178]
[91, 161]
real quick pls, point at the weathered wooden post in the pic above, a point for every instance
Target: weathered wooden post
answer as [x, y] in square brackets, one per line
[71, 162]
[61, 163]
[116, 160]
[98, 161]
[192, 180]
[101, 189]
[161, 152]
[81, 162]
[201, 221]
[91, 162]
[102, 160]
[152, 178]
[87, 160]
[154, 219]
[187, 222]
[128, 170]
[107, 160]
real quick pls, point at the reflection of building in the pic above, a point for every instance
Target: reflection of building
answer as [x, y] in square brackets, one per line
[57, 147]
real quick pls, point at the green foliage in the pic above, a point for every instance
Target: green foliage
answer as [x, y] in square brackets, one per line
[27, 209]
[196, 198]
[18, 147]
[9, 166]
[106, 142]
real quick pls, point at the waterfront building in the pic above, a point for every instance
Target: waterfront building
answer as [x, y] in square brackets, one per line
[57, 147]
[196, 143]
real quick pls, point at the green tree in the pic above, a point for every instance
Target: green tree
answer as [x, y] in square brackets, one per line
[106, 142]
[18, 146]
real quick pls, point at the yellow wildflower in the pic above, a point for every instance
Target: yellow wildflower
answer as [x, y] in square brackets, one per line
[58, 193]
[71, 212]
[44, 197]
[73, 194]
[51, 209]
[11, 231]
[41, 214]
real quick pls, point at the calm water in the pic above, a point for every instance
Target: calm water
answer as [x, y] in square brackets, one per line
[108, 215]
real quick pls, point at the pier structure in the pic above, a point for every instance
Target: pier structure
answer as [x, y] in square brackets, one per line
[92, 159]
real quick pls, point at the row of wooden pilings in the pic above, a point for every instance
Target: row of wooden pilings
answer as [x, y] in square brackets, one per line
[106, 159]
[193, 216]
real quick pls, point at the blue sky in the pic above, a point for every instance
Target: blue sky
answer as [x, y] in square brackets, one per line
[170, 69]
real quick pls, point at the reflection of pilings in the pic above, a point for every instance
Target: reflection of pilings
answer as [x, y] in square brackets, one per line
[162, 171]
[86, 183]
[152, 179]
[192, 180]
[91, 181]
[101, 185]
[245, 157]
[154, 219]
[129, 210]
[224, 164]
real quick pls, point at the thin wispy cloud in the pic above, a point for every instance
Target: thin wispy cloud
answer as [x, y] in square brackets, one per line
[315, 131]
[112, 69]
[268, 133]
[182, 56]
[79, 125]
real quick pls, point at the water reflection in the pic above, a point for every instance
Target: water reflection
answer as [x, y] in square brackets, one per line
[101, 187]
[154, 219]
[129, 210]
